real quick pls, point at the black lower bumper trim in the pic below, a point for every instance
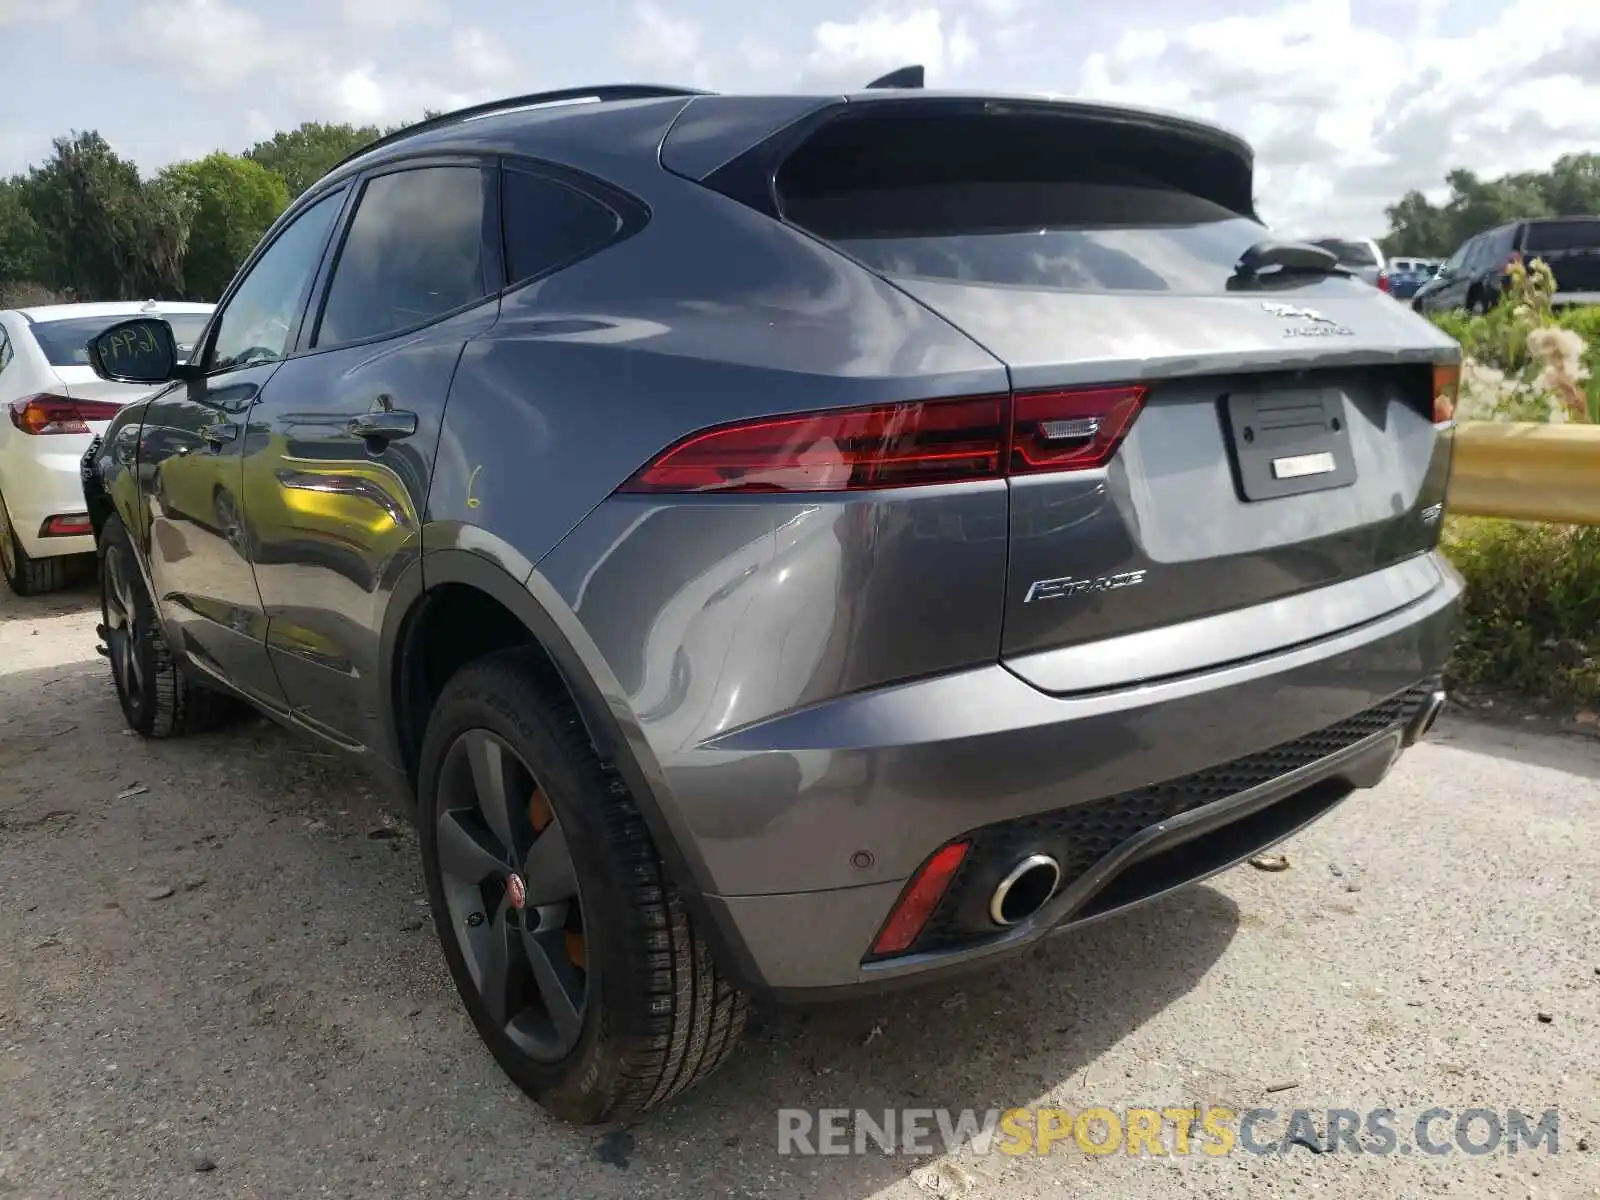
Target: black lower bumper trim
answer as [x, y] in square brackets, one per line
[1084, 838]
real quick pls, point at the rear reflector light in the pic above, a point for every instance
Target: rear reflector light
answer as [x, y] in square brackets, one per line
[917, 902]
[59, 414]
[1446, 386]
[900, 445]
[66, 526]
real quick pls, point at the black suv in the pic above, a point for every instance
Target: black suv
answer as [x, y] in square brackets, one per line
[1475, 275]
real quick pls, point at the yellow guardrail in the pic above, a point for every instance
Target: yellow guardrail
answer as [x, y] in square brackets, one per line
[1527, 472]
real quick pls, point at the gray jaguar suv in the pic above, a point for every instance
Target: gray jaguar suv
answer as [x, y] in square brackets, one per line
[786, 545]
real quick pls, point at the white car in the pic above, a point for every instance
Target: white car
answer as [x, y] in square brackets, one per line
[51, 405]
[1361, 256]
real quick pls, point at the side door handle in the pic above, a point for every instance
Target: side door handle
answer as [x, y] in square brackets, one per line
[383, 426]
[219, 434]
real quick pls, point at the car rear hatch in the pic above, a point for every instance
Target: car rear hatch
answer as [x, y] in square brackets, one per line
[1187, 441]
[1572, 250]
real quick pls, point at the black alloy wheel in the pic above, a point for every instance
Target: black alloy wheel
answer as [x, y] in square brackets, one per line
[125, 634]
[512, 892]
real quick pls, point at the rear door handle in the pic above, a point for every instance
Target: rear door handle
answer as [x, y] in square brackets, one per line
[383, 425]
[219, 434]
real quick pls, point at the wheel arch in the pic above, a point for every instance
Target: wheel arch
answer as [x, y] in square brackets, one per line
[545, 622]
[444, 576]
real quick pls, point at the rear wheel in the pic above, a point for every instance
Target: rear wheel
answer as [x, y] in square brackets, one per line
[158, 700]
[26, 575]
[572, 952]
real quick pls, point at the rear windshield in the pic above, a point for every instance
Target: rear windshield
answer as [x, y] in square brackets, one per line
[1562, 235]
[66, 342]
[1027, 199]
[1349, 254]
[1083, 237]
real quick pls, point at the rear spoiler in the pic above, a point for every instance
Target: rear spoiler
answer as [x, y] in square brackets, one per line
[735, 145]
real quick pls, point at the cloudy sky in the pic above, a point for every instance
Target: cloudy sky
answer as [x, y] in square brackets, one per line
[1348, 102]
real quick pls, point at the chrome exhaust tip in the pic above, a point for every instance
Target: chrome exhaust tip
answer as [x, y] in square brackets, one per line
[1423, 721]
[1025, 890]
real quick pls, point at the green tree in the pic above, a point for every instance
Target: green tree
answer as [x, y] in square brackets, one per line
[1573, 185]
[1417, 226]
[1478, 204]
[21, 250]
[235, 200]
[304, 155]
[103, 232]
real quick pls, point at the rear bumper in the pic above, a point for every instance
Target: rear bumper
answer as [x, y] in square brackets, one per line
[46, 484]
[812, 823]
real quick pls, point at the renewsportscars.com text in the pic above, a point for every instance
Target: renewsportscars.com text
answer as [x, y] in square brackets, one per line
[1164, 1131]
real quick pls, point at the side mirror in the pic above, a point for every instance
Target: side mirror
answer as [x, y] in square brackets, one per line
[142, 350]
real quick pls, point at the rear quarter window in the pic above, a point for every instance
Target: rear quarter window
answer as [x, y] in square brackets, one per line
[549, 225]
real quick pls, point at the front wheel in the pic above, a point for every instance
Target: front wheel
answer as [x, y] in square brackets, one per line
[571, 950]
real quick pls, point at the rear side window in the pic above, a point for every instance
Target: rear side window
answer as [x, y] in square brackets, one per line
[413, 253]
[548, 225]
[1562, 235]
[1019, 201]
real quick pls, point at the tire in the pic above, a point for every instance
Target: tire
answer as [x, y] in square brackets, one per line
[647, 1012]
[158, 699]
[26, 575]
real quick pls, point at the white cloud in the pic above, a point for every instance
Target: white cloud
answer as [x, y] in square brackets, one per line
[221, 45]
[848, 55]
[661, 41]
[477, 55]
[16, 12]
[392, 14]
[1346, 117]
[229, 51]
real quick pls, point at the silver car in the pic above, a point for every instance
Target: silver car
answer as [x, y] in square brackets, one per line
[787, 545]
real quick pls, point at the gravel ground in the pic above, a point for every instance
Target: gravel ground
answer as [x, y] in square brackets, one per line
[217, 978]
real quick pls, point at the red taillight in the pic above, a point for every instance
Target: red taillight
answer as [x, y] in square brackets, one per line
[917, 902]
[1383, 281]
[70, 525]
[1070, 431]
[59, 414]
[1446, 386]
[900, 445]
